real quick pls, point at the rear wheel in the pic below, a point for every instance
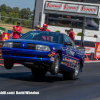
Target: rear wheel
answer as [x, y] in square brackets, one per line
[8, 64]
[72, 75]
[37, 72]
[55, 66]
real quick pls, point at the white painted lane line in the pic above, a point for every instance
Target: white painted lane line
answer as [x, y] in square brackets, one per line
[14, 65]
[91, 61]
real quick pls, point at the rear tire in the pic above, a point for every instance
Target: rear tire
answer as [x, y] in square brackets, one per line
[8, 64]
[37, 72]
[55, 66]
[72, 75]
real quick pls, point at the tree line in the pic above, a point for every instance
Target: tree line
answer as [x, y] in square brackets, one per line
[15, 12]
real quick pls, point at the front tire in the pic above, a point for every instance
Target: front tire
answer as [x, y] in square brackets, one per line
[37, 72]
[8, 64]
[55, 66]
[72, 75]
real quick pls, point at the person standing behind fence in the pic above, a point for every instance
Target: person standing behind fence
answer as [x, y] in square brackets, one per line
[45, 28]
[16, 31]
[37, 28]
[72, 34]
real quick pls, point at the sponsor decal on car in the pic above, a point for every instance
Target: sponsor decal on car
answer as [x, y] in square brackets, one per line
[53, 53]
[54, 48]
[49, 55]
[66, 64]
[68, 60]
[70, 52]
[62, 62]
[74, 61]
[52, 58]
[65, 58]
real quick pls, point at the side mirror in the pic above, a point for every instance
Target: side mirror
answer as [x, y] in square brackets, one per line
[68, 43]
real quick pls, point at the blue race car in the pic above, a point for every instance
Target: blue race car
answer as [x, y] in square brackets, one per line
[44, 51]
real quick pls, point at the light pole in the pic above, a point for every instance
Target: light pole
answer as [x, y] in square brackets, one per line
[83, 31]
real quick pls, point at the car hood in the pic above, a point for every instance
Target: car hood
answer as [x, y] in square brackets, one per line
[34, 42]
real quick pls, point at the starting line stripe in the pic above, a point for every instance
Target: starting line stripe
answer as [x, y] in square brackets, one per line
[14, 65]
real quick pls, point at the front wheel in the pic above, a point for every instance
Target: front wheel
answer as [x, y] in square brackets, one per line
[37, 72]
[55, 66]
[72, 75]
[8, 64]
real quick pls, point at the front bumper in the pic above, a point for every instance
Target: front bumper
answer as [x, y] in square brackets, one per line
[23, 55]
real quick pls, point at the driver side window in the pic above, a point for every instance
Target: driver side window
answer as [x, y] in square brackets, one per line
[67, 39]
[73, 44]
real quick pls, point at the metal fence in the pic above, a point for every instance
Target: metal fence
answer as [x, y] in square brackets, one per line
[13, 21]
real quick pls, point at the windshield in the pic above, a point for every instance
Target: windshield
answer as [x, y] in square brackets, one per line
[43, 36]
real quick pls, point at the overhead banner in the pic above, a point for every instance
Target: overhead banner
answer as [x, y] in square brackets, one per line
[69, 7]
[97, 50]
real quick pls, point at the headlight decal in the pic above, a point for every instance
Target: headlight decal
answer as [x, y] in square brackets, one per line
[8, 44]
[42, 48]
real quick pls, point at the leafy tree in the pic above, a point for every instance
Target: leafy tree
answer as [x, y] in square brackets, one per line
[15, 12]
[3, 8]
[3, 13]
[16, 9]
[23, 14]
[9, 9]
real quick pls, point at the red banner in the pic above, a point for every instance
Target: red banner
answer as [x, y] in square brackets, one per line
[97, 50]
[5, 36]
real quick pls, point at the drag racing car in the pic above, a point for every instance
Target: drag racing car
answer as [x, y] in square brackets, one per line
[43, 51]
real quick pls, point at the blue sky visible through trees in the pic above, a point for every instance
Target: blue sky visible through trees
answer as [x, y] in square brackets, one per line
[19, 3]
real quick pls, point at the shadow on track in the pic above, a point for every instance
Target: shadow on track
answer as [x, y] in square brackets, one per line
[27, 76]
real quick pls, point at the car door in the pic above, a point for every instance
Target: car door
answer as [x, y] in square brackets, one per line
[74, 53]
[68, 52]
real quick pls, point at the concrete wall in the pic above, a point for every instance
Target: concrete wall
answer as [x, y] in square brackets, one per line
[62, 30]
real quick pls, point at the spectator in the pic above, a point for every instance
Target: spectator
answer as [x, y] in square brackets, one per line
[37, 28]
[72, 34]
[41, 28]
[95, 36]
[16, 31]
[45, 28]
[48, 38]
[67, 32]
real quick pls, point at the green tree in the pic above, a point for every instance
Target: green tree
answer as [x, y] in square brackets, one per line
[23, 14]
[16, 9]
[3, 13]
[32, 14]
[15, 12]
[3, 8]
[9, 9]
